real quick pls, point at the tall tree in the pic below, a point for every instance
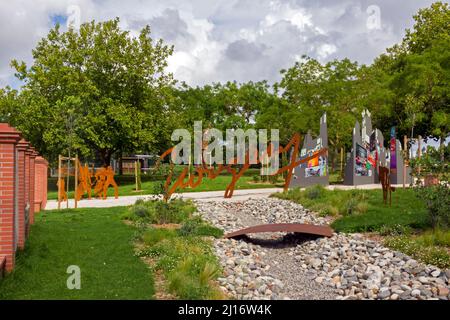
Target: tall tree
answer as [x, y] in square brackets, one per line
[97, 89]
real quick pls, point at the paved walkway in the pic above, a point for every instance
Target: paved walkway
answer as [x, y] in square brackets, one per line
[239, 195]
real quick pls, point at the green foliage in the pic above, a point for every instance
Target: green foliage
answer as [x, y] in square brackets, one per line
[256, 178]
[435, 197]
[101, 86]
[160, 212]
[429, 254]
[394, 230]
[189, 265]
[154, 235]
[197, 227]
[315, 192]
[192, 277]
[438, 237]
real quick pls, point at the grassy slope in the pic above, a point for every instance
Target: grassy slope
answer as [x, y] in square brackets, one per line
[406, 210]
[216, 184]
[95, 240]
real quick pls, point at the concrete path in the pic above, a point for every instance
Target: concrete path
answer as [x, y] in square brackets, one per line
[239, 195]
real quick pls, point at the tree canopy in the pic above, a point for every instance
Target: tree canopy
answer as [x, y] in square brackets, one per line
[100, 91]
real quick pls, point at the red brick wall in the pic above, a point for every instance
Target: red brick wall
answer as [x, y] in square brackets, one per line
[23, 182]
[21, 153]
[31, 190]
[40, 184]
[8, 139]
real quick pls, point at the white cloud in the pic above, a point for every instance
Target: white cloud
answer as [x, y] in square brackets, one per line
[324, 50]
[222, 40]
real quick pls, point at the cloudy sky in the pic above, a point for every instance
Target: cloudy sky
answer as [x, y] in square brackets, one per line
[222, 40]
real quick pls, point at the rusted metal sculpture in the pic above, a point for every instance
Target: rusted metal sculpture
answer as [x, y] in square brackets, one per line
[324, 231]
[210, 172]
[104, 178]
[84, 182]
[385, 179]
[62, 194]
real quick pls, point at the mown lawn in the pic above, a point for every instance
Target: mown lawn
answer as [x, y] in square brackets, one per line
[217, 184]
[97, 241]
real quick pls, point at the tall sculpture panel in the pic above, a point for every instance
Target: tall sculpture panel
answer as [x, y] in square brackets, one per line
[315, 171]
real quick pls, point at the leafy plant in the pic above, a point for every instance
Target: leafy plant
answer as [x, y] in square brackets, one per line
[197, 227]
[256, 178]
[436, 196]
[315, 192]
[431, 255]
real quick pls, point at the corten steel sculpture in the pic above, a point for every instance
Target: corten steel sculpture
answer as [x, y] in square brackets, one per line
[385, 179]
[195, 180]
[84, 182]
[61, 189]
[104, 178]
[203, 170]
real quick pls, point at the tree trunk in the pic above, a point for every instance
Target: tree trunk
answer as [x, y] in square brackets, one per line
[120, 164]
[105, 156]
[442, 148]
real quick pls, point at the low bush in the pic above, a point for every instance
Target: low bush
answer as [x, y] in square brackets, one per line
[437, 237]
[197, 227]
[315, 192]
[154, 235]
[428, 254]
[188, 264]
[192, 279]
[256, 178]
[160, 212]
[394, 230]
[329, 210]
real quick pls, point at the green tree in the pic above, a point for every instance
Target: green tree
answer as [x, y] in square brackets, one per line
[109, 86]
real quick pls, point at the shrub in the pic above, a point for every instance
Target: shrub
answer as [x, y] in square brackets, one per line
[362, 207]
[329, 210]
[435, 197]
[154, 235]
[394, 230]
[315, 192]
[197, 227]
[431, 255]
[160, 212]
[256, 178]
[436, 237]
[350, 206]
[192, 278]
[273, 178]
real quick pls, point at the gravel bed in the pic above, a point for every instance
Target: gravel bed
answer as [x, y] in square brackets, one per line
[280, 266]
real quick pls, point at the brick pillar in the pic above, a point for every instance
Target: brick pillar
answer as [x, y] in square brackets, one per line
[8, 140]
[40, 183]
[27, 191]
[21, 202]
[33, 155]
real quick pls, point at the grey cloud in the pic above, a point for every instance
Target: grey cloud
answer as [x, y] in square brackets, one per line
[225, 39]
[242, 50]
[168, 26]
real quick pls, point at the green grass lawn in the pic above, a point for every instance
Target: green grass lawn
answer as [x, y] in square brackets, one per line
[217, 184]
[97, 241]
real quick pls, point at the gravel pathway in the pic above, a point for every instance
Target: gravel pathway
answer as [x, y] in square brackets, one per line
[280, 266]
